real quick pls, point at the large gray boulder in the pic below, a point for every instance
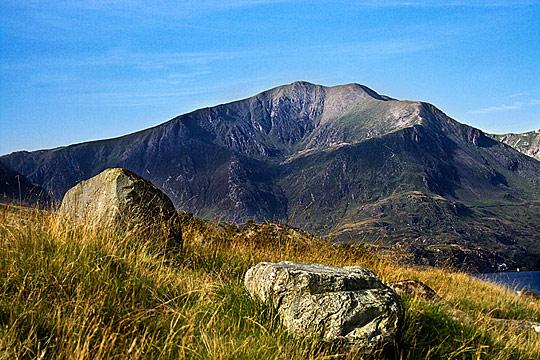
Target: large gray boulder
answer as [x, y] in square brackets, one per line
[350, 304]
[119, 199]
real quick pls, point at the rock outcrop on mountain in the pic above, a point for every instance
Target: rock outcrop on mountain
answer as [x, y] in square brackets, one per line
[527, 142]
[342, 161]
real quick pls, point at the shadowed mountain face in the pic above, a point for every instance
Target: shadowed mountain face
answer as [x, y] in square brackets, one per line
[343, 161]
[527, 142]
[15, 188]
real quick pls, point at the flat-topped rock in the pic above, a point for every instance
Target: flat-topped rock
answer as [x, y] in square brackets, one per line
[347, 304]
[118, 198]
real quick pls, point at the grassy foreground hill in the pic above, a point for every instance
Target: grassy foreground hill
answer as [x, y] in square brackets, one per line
[74, 293]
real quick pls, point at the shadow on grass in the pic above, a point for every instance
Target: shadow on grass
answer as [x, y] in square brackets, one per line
[429, 332]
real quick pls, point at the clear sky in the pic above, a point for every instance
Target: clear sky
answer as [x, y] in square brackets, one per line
[72, 71]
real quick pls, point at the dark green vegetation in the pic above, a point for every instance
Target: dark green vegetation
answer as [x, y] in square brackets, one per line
[342, 161]
[71, 293]
[477, 236]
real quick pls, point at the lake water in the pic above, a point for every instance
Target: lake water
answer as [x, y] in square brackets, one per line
[529, 280]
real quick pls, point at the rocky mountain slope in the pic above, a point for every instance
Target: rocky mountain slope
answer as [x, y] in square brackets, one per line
[16, 188]
[528, 142]
[342, 161]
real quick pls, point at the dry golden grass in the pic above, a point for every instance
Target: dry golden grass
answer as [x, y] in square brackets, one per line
[75, 293]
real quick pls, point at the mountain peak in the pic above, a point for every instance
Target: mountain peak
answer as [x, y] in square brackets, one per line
[349, 89]
[341, 160]
[527, 142]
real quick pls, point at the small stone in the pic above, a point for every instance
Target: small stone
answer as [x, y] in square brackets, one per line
[415, 288]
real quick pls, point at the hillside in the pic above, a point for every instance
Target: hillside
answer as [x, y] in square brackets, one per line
[16, 188]
[68, 293]
[528, 142]
[341, 161]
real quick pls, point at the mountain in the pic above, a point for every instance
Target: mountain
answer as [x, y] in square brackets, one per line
[16, 188]
[343, 161]
[528, 142]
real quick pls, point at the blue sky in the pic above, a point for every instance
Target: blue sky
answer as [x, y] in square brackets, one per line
[72, 71]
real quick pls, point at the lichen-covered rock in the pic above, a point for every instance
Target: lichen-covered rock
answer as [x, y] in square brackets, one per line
[337, 304]
[117, 198]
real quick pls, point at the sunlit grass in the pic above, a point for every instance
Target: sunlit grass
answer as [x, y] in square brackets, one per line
[76, 293]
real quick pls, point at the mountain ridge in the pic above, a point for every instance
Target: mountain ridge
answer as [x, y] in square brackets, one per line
[316, 157]
[278, 89]
[16, 188]
[528, 142]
